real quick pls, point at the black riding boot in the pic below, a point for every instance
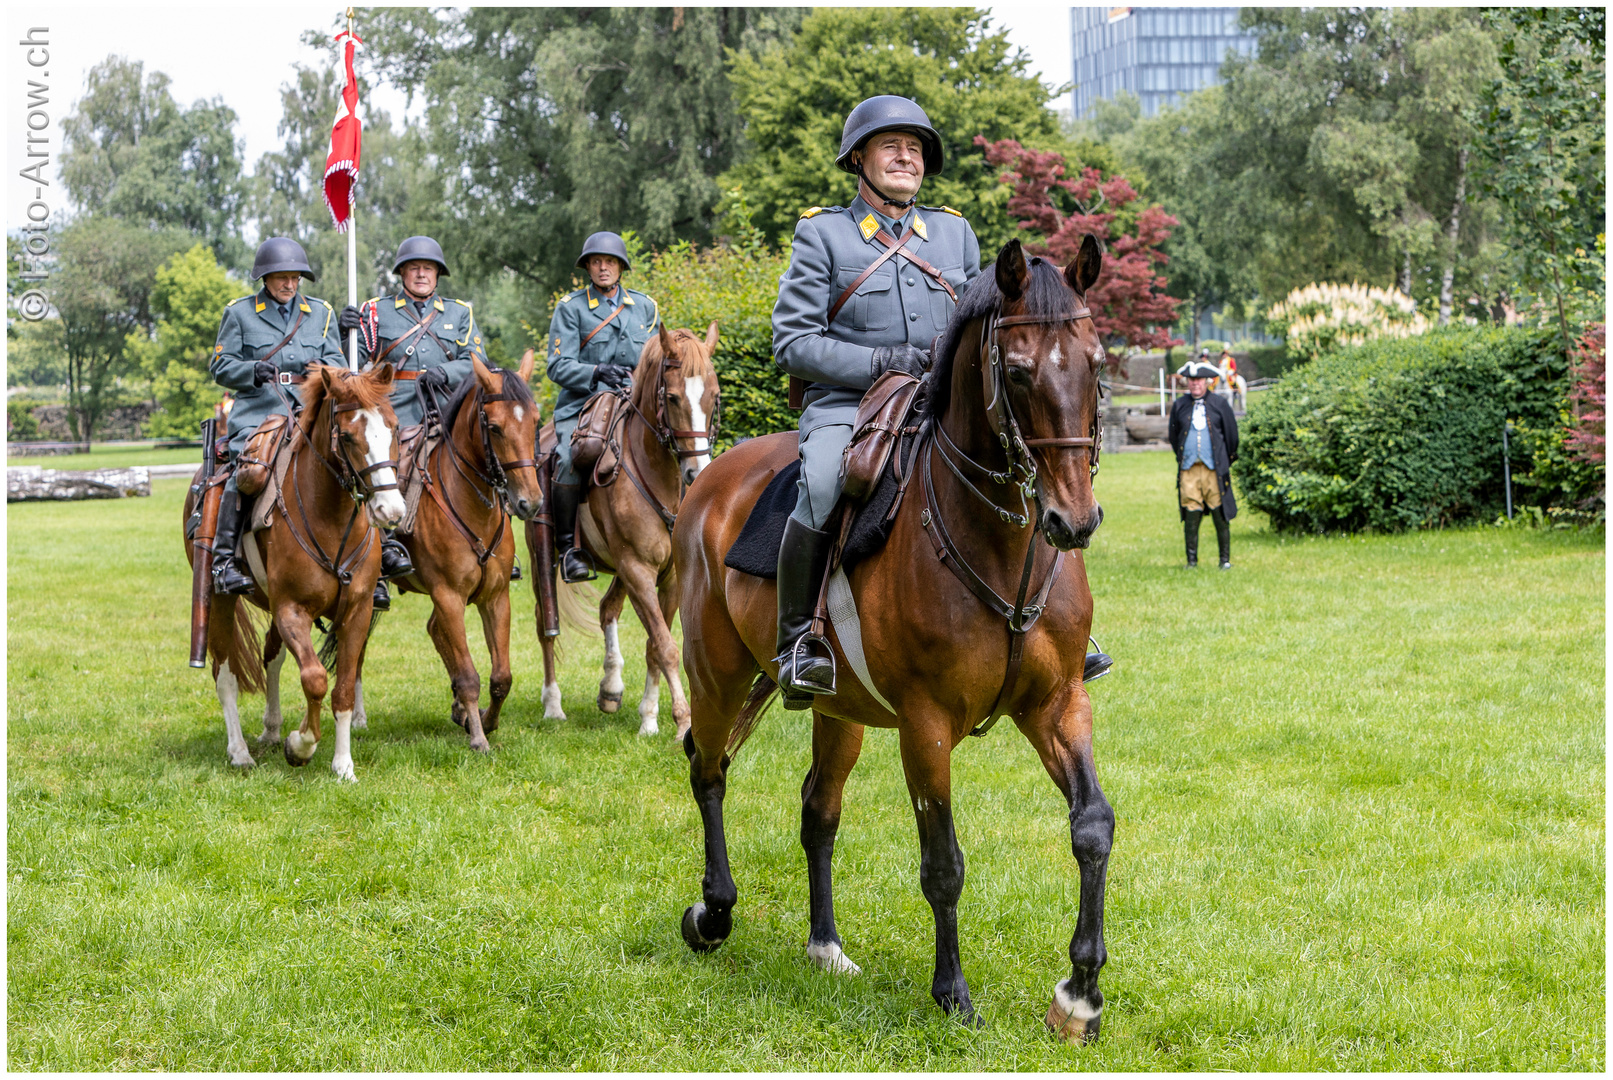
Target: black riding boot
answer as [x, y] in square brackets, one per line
[227, 577]
[395, 561]
[382, 599]
[1223, 537]
[575, 565]
[1190, 529]
[802, 558]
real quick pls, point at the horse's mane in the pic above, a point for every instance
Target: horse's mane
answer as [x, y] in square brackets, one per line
[696, 364]
[1047, 294]
[367, 392]
[512, 382]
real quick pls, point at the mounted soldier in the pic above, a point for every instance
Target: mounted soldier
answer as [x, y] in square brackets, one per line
[265, 343]
[868, 289]
[429, 340]
[595, 338]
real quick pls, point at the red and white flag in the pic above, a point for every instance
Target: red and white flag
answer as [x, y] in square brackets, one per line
[346, 141]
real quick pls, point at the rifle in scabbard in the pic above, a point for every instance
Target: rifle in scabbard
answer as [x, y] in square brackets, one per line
[208, 495]
[540, 538]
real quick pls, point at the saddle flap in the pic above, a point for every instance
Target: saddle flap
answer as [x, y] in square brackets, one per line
[253, 467]
[547, 440]
[880, 418]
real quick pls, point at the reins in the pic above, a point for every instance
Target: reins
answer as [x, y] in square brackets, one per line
[666, 435]
[1022, 472]
[495, 479]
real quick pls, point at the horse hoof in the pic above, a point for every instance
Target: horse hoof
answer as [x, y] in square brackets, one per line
[269, 741]
[691, 929]
[830, 957]
[480, 746]
[359, 723]
[1074, 1020]
[608, 702]
[551, 703]
[293, 747]
[649, 726]
[489, 721]
[344, 771]
[242, 760]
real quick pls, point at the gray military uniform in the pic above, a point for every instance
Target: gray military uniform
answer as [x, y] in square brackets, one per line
[571, 364]
[251, 327]
[449, 342]
[896, 305]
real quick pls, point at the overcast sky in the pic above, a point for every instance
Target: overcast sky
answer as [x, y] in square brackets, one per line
[243, 54]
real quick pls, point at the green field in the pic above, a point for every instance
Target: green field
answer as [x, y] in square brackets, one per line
[113, 457]
[1359, 786]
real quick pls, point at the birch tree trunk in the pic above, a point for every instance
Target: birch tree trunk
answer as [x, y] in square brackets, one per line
[1452, 234]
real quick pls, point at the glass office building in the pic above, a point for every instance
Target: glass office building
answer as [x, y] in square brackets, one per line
[1157, 53]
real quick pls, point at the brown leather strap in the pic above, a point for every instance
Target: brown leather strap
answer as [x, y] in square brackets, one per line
[923, 267]
[270, 355]
[425, 320]
[600, 327]
[892, 248]
[406, 376]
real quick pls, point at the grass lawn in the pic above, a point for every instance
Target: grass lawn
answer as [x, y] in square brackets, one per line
[1358, 782]
[112, 457]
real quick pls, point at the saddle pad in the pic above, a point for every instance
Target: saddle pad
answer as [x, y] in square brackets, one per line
[755, 552]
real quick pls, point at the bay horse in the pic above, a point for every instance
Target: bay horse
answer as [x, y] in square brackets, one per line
[462, 545]
[320, 557]
[1012, 418]
[665, 442]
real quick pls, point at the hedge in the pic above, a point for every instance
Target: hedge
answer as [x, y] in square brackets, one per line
[1398, 433]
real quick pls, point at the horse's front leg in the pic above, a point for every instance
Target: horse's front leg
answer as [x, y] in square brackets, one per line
[552, 707]
[495, 615]
[836, 745]
[447, 629]
[1062, 737]
[660, 651]
[295, 626]
[352, 636]
[927, 761]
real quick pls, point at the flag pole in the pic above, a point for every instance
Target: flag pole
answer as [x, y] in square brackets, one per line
[352, 256]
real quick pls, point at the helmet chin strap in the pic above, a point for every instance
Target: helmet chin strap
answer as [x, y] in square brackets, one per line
[903, 203]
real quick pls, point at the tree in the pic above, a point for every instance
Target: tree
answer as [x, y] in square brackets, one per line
[1541, 139]
[189, 294]
[1129, 304]
[966, 75]
[102, 291]
[547, 124]
[130, 152]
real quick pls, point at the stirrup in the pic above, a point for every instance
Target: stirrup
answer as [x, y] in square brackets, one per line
[228, 579]
[590, 574]
[795, 656]
[1098, 664]
[382, 601]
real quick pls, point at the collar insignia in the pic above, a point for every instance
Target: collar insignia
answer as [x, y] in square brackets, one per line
[920, 228]
[400, 302]
[306, 310]
[869, 226]
[261, 305]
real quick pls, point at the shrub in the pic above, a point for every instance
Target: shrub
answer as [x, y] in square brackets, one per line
[1320, 318]
[21, 422]
[1273, 361]
[1398, 433]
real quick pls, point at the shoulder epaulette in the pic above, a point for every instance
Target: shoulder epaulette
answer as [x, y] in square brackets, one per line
[375, 299]
[945, 210]
[814, 211]
[569, 295]
[462, 303]
[238, 299]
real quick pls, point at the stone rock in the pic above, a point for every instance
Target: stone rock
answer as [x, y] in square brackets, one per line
[29, 483]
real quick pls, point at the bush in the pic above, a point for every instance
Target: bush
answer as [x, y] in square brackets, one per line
[21, 423]
[1398, 433]
[1322, 317]
[1273, 361]
[736, 285]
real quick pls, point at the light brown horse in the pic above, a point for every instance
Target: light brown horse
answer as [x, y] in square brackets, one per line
[320, 557]
[1014, 393]
[626, 526]
[462, 545]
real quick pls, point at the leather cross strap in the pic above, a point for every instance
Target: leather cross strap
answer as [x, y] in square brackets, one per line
[923, 267]
[601, 326]
[424, 324]
[892, 249]
[270, 355]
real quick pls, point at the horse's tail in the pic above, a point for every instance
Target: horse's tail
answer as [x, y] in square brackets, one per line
[331, 642]
[243, 649]
[750, 714]
[579, 607]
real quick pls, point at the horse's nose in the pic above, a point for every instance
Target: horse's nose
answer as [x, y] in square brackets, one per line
[524, 508]
[1065, 534]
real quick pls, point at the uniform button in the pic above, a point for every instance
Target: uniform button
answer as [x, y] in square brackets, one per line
[912, 316]
[910, 281]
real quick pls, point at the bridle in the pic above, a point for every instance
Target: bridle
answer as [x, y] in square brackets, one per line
[662, 428]
[495, 477]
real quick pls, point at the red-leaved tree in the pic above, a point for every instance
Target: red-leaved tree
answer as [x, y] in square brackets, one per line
[1128, 301]
[1587, 438]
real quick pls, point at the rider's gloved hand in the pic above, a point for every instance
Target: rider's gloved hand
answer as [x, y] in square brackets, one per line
[905, 358]
[264, 372]
[434, 379]
[349, 319]
[615, 376]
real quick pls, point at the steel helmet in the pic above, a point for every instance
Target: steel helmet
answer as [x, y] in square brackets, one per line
[604, 243]
[420, 247]
[887, 112]
[279, 254]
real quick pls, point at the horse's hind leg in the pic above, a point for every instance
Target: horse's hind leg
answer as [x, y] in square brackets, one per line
[274, 658]
[610, 616]
[221, 618]
[295, 626]
[927, 762]
[352, 639]
[495, 615]
[552, 709]
[667, 593]
[660, 651]
[835, 747]
[1063, 739]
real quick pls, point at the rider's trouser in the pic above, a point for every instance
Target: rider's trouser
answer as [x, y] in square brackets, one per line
[563, 473]
[818, 489]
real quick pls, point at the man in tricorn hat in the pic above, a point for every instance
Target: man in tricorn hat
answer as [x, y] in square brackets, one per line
[265, 343]
[1204, 434]
[429, 340]
[595, 337]
[838, 330]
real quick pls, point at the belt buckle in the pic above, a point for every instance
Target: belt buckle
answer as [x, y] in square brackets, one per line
[283, 378]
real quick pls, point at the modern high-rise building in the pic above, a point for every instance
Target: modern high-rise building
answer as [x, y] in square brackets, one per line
[1157, 53]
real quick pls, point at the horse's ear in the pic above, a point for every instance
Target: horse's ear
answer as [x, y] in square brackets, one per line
[324, 375]
[383, 374]
[484, 374]
[1086, 266]
[711, 337]
[528, 360]
[666, 342]
[1013, 275]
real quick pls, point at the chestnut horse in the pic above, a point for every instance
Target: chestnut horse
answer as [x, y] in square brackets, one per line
[1014, 399]
[626, 525]
[462, 545]
[320, 557]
